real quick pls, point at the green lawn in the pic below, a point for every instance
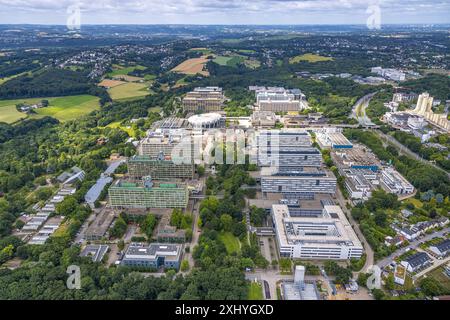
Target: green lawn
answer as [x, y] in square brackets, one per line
[255, 291]
[309, 57]
[129, 90]
[128, 130]
[61, 108]
[232, 244]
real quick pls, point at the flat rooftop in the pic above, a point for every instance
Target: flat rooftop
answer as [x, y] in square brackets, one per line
[331, 227]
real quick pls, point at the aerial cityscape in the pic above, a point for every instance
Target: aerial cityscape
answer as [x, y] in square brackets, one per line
[258, 161]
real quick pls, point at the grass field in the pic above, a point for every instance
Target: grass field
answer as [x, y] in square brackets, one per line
[255, 291]
[128, 130]
[129, 90]
[192, 66]
[232, 244]
[441, 277]
[148, 77]
[9, 114]
[71, 107]
[61, 108]
[309, 57]
[121, 70]
[222, 60]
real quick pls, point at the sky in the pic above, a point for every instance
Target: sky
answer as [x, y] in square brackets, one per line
[226, 11]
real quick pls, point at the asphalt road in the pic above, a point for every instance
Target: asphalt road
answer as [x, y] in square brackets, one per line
[361, 106]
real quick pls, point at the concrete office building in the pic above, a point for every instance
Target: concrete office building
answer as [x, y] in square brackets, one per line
[299, 157]
[152, 146]
[155, 255]
[278, 102]
[147, 194]
[394, 182]
[327, 236]
[285, 138]
[263, 119]
[301, 181]
[204, 99]
[161, 168]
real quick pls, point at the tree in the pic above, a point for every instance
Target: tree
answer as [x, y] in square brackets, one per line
[227, 222]
[201, 170]
[67, 206]
[119, 228]
[285, 264]
[184, 266]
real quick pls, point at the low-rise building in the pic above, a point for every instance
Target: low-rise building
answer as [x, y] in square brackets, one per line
[393, 182]
[95, 251]
[155, 255]
[442, 248]
[264, 119]
[416, 262]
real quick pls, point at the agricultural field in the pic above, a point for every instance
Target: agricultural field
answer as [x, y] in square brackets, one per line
[232, 244]
[193, 66]
[309, 57]
[107, 83]
[61, 108]
[129, 90]
[255, 291]
[234, 60]
[127, 78]
[202, 50]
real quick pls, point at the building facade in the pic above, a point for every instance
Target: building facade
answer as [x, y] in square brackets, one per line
[144, 196]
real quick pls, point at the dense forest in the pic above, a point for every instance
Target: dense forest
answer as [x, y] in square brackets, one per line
[46, 83]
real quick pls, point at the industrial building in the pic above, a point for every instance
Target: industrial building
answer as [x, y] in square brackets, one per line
[155, 255]
[204, 99]
[161, 168]
[332, 140]
[358, 157]
[325, 235]
[300, 181]
[147, 194]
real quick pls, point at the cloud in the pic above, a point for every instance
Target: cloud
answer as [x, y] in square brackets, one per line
[209, 10]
